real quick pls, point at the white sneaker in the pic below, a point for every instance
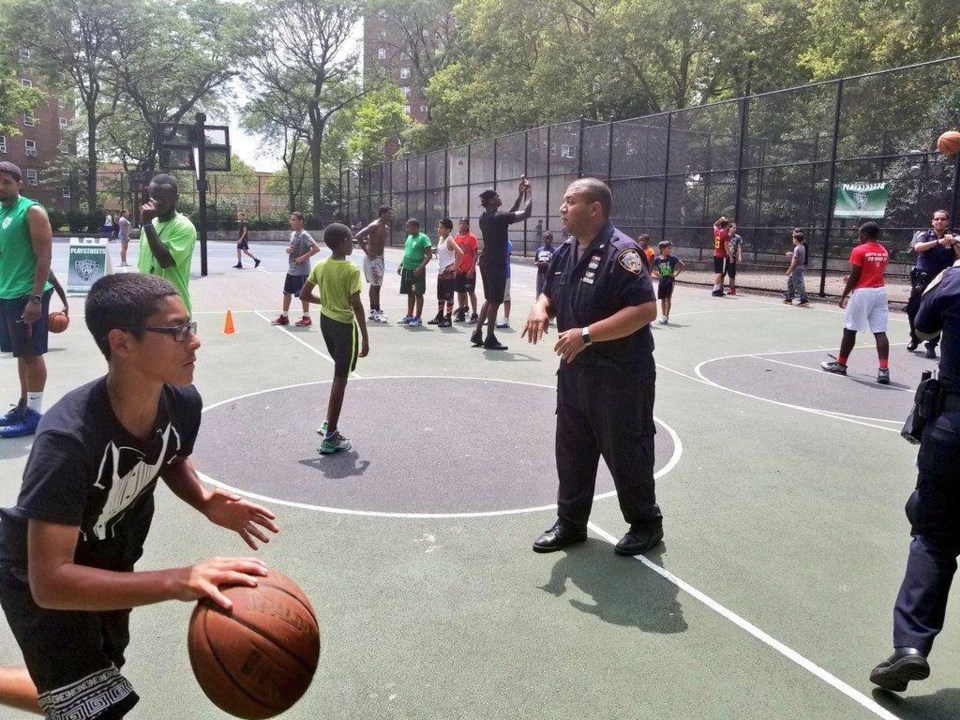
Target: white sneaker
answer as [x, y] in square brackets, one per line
[381, 317]
[663, 321]
[503, 324]
[372, 315]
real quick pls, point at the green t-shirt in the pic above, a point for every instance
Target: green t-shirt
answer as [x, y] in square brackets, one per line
[337, 281]
[179, 235]
[18, 263]
[414, 250]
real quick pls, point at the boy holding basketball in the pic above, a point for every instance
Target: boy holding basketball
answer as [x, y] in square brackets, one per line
[68, 547]
[341, 314]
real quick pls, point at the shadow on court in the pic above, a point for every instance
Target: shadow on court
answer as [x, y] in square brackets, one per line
[338, 466]
[625, 592]
[941, 705]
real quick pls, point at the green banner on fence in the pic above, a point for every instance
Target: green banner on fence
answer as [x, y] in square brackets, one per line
[861, 200]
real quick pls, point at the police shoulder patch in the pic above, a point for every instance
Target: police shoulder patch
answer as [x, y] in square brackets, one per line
[630, 261]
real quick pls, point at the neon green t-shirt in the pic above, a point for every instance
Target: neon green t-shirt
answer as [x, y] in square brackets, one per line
[18, 263]
[414, 250]
[180, 236]
[337, 281]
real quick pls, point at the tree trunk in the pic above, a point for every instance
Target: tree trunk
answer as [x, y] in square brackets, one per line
[91, 159]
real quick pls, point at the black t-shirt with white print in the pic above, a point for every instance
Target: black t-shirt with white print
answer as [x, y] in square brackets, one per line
[86, 470]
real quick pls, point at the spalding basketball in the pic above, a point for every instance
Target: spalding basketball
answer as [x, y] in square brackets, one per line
[57, 322]
[949, 142]
[257, 660]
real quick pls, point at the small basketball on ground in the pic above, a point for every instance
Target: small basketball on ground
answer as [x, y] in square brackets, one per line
[257, 660]
[949, 142]
[58, 322]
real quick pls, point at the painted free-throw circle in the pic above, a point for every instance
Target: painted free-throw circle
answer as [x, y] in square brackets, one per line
[422, 447]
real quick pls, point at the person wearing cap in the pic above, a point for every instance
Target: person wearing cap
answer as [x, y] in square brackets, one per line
[494, 227]
[599, 290]
[26, 240]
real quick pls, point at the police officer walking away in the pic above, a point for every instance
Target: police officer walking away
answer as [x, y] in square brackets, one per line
[934, 255]
[934, 507]
[603, 300]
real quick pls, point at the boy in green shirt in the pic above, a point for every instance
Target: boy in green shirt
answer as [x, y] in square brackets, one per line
[341, 313]
[413, 272]
[167, 237]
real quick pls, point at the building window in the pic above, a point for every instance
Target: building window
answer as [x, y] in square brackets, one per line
[31, 176]
[382, 53]
[64, 149]
[404, 73]
[63, 123]
[406, 91]
[26, 83]
[61, 103]
[3, 144]
[566, 151]
[424, 108]
[553, 148]
[406, 109]
[29, 120]
[30, 146]
[24, 53]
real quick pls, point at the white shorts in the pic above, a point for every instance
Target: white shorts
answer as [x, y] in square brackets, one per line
[867, 309]
[373, 270]
[506, 290]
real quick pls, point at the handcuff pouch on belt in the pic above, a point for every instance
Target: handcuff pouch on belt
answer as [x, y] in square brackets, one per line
[927, 404]
[919, 279]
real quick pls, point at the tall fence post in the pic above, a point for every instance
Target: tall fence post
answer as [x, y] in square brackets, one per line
[526, 166]
[426, 191]
[831, 187]
[610, 150]
[496, 150]
[666, 178]
[446, 182]
[406, 185]
[469, 163]
[955, 206]
[546, 204]
[340, 189]
[738, 188]
[580, 148]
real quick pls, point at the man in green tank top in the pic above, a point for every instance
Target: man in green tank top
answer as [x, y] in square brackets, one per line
[167, 237]
[26, 243]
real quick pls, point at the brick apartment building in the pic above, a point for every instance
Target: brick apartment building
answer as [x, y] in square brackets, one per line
[381, 49]
[42, 140]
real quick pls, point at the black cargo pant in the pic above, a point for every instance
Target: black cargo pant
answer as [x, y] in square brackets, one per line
[919, 279]
[934, 513]
[606, 410]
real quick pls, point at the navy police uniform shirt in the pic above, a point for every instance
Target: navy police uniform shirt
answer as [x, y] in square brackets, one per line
[940, 312]
[934, 260]
[587, 286]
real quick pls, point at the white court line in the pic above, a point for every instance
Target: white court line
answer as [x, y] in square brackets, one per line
[814, 411]
[763, 637]
[671, 463]
[303, 342]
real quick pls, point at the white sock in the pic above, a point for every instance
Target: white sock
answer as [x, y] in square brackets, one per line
[283, 313]
[35, 401]
[716, 287]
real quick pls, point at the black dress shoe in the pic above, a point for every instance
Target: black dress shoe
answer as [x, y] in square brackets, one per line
[558, 537]
[477, 338]
[491, 343]
[913, 345]
[896, 671]
[639, 539]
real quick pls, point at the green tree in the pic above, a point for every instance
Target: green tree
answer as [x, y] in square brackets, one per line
[14, 98]
[376, 120]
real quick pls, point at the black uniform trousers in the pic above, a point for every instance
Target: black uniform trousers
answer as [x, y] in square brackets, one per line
[934, 513]
[606, 410]
[919, 279]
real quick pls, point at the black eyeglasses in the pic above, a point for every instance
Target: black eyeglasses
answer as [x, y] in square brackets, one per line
[180, 332]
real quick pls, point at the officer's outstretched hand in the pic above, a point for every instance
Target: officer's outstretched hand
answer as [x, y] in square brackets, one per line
[536, 325]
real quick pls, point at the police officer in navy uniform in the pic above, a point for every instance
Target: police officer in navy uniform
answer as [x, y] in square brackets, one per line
[603, 300]
[934, 507]
[934, 250]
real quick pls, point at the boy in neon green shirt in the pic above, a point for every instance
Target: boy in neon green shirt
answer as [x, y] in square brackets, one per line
[341, 314]
[167, 237]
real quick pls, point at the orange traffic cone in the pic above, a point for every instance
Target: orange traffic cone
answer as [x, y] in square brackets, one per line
[228, 328]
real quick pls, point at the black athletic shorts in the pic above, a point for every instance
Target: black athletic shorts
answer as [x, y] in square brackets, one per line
[343, 344]
[74, 658]
[445, 287]
[718, 265]
[731, 269]
[465, 283]
[494, 283]
[19, 338]
[665, 289]
[293, 284]
[411, 283]
[243, 244]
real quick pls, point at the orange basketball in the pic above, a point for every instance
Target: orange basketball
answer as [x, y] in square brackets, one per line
[949, 142]
[57, 322]
[257, 660]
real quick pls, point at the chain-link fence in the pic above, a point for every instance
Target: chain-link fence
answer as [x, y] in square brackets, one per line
[771, 161]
